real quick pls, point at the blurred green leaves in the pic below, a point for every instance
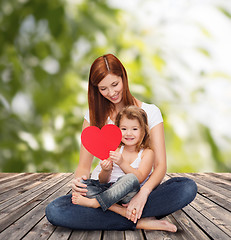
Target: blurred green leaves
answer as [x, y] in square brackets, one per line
[46, 51]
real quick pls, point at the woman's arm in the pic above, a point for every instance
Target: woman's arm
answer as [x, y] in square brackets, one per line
[160, 167]
[84, 167]
[160, 164]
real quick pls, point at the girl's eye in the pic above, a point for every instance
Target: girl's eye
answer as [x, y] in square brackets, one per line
[123, 129]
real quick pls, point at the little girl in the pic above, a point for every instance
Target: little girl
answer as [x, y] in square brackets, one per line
[118, 179]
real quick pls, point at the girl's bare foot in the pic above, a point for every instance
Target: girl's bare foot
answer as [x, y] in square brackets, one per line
[151, 223]
[84, 201]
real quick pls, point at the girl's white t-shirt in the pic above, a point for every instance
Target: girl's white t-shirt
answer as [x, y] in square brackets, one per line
[154, 118]
[153, 114]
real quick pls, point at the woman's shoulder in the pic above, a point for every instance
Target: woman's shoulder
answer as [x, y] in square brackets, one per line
[153, 113]
[149, 107]
[87, 116]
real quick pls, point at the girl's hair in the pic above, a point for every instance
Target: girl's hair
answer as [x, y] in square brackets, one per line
[134, 112]
[100, 108]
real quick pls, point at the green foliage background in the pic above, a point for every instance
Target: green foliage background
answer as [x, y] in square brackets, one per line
[46, 51]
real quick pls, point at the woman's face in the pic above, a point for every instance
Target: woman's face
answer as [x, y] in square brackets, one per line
[111, 87]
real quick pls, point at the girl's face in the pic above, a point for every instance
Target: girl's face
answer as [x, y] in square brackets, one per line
[111, 87]
[131, 131]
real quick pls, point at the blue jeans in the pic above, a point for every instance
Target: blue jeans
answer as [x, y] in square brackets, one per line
[165, 199]
[122, 191]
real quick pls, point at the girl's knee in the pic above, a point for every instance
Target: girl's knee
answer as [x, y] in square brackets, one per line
[132, 177]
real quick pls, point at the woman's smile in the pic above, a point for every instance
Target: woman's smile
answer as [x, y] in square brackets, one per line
[111, 87]
[115, 97]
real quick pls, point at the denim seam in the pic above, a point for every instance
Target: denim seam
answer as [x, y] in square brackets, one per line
[101, 202]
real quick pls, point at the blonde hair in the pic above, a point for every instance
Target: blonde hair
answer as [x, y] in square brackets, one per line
[134, 112]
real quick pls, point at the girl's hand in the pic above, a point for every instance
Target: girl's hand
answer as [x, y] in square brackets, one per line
[106, 165]
[137, 203]
[116, 157]
[79, 187]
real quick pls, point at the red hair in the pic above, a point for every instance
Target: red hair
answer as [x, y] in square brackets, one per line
[100, 108]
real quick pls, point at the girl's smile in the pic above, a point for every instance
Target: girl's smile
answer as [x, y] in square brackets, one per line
[131, 131]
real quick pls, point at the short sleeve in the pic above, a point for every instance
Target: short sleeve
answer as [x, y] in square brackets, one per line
[87, 116]
[153, 113]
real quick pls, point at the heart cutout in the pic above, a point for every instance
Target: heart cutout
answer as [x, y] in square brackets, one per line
[100, 142]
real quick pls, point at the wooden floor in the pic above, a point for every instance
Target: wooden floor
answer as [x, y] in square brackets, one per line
[24, 196]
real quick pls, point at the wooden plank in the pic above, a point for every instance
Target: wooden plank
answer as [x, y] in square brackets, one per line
[214, 196]
[83, 235]
[188, 227]
[31, 190]
[134, 235]
[224, 176]
[207, 217]
[17, 192]
[3, 175]
[13, 215]
[207, 224]
[41, 231]
[32, 197]
[218, 189]
[61, 233]
[17, 182]
[113, 235]
[6, 177]
[22, 226]
[209, 227]
[160, 235]
[216, 181]
[216, 214]
[217, 178]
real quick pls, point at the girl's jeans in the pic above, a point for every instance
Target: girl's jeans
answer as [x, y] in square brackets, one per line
[122, 191]
[167, 198]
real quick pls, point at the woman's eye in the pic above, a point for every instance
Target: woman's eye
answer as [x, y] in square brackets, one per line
[102, 89]
[115, 84]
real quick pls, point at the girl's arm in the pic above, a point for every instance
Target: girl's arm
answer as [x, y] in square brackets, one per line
[84, 167]
[144, 168]
[105, 173]
[160, 167]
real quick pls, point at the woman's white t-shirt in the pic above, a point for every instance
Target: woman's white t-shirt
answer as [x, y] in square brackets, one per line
[153, 114]
[154, 118]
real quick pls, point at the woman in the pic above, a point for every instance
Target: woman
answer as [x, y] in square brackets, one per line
[108, 93]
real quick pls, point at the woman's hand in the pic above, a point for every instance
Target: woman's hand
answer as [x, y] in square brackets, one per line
[116, 157]
[137, 203]
[106, 165]
[78, 186]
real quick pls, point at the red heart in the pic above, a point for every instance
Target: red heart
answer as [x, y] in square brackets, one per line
[100, 142]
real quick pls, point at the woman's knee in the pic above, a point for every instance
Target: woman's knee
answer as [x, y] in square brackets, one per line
[56, 209]
[189, 189]
[50, 213]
